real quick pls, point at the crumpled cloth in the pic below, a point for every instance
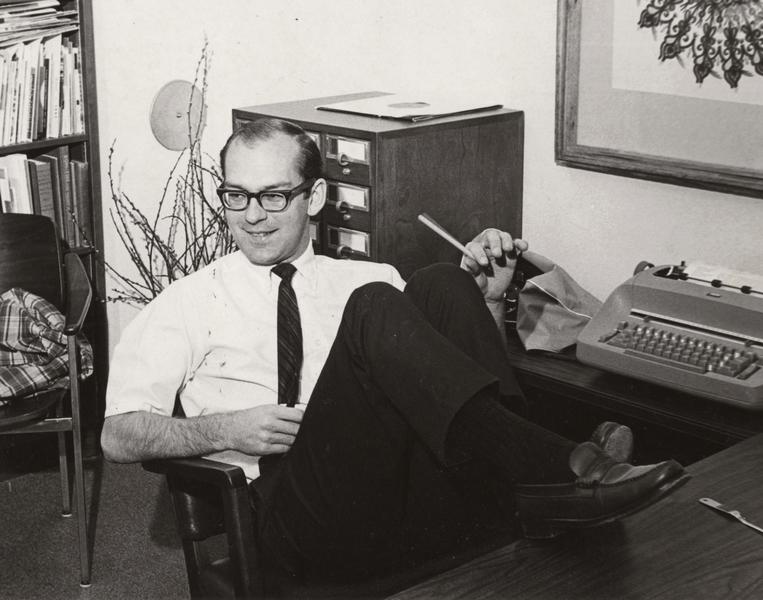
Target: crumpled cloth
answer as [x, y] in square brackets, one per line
[552, 308]
[33, 353]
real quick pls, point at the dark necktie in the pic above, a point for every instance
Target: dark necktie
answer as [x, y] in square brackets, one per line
[289, 337]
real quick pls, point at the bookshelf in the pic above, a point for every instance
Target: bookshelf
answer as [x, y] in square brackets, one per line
[56, 136]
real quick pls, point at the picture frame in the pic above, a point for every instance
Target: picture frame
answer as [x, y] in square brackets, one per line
[694, 140]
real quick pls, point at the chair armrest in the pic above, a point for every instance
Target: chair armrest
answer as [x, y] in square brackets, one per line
[212, 498]
[219, 474]
[209, 496]
[79, 293]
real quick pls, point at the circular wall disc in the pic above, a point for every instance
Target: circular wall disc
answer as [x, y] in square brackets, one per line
[176, 105]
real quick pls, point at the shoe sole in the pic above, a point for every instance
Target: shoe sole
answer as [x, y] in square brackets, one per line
[543, 529]
[616, 440]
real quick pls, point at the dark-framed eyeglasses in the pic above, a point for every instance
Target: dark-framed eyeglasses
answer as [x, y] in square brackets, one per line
[269, 200]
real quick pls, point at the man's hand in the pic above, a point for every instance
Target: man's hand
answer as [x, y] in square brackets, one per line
[494, 250]
[268, 429]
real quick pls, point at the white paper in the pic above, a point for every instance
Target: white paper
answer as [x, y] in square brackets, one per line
[706, 273]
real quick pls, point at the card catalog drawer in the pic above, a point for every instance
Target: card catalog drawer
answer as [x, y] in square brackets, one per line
[348, 243]
[348, 205]
[347, 158]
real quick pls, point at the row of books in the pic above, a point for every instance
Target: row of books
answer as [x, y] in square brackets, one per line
[40, 72]
[53, 185]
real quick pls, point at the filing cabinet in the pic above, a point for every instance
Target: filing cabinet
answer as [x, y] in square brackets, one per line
[465, 171]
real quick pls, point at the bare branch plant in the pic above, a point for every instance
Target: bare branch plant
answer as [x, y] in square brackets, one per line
[186, 231]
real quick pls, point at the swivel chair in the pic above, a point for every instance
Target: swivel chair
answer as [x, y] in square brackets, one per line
[211, 503]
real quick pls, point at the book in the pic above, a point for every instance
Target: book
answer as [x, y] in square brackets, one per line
[58, 209]
[6, 198]
[11, 95]
[41, 99]
[81, 202]
[27, 85]
[409, 108]
[18, 179]
[16, 6]
[20, 37]
[41, 182]
[61, 176]
[52, 53]
[65, 97]
[67, 200]
[34, 189]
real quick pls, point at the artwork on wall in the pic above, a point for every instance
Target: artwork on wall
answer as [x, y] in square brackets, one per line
[667, 90]
[718, 37]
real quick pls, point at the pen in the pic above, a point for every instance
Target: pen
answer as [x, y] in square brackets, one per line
[439, 230]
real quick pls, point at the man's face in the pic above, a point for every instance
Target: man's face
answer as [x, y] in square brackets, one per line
[268, 238]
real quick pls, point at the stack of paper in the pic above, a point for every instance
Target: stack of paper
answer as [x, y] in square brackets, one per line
[410, 108]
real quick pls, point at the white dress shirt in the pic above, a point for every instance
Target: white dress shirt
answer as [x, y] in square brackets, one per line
[211, 337]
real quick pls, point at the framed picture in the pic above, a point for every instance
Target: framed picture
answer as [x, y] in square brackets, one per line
[667, 90]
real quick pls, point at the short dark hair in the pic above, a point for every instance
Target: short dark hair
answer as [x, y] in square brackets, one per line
[309, 160]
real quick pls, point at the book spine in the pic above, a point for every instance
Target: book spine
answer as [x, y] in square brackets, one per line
[82, 208]
[58, 209]
[34, 187]
[41, 178]
[65, 179]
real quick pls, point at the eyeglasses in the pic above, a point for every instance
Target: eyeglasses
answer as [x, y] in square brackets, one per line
[269, 200]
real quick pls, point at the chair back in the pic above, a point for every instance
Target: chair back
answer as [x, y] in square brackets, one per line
[30, 257]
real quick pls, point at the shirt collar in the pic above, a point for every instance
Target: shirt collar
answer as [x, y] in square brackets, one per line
[307, 266]
[307, 271]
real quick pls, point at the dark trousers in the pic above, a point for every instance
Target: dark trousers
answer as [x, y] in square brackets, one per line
[369, 485]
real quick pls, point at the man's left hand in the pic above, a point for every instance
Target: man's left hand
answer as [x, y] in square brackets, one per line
[494, 250]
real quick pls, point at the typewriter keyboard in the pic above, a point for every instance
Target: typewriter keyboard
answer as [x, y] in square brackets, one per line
[683, 351]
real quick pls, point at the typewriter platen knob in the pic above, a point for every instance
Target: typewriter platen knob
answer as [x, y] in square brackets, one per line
[642, 266]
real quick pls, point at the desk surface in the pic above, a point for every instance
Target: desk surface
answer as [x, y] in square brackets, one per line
[677, 548]
[721, 424]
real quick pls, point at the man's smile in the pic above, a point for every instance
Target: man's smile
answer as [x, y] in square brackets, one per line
[260, 235]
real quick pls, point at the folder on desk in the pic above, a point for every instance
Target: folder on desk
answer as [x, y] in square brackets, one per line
[409, 107]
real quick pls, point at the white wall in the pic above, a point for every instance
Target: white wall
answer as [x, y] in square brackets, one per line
[598, 226]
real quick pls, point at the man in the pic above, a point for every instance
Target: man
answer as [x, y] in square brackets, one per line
[404, 396]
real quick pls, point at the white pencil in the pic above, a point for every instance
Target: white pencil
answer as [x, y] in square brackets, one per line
[438, 229]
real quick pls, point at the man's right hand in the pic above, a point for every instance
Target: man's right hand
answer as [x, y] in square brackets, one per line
[268, 429]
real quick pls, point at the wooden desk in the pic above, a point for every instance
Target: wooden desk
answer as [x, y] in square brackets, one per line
[571, 398]
[677, 548]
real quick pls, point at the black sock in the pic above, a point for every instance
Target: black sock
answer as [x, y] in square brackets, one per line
[522, 451]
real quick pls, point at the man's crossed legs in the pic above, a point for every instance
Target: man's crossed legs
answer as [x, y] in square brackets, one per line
[409, 447]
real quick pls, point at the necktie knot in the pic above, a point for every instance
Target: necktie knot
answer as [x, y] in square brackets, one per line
[285, 271]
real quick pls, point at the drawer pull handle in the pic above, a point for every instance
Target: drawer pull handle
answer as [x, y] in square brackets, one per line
[343, 159]
[348, 253]
[343, 208]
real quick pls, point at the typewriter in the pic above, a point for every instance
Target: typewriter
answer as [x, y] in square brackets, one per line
[696, 328]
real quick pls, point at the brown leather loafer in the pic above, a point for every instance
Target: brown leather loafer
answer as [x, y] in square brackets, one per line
[615, 439]
[604, 491]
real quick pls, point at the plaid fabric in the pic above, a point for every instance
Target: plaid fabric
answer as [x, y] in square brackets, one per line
[33, 346]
